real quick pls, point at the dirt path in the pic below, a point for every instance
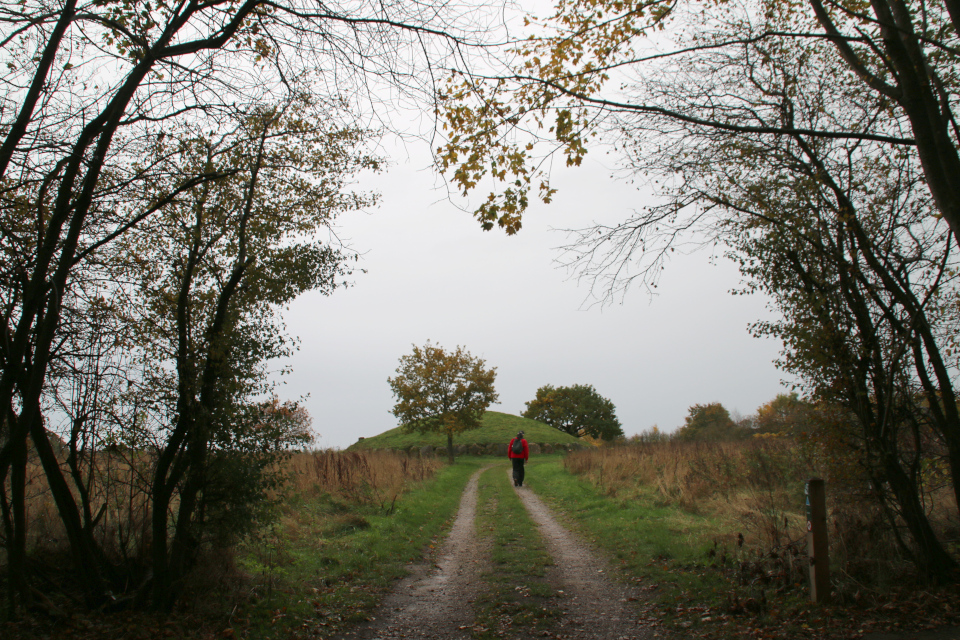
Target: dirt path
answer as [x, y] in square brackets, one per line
[596, 606]
[434, 601]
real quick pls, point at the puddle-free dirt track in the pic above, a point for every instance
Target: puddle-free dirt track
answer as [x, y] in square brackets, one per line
[436, 600]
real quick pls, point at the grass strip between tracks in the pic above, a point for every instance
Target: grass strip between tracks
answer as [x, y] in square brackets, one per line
[517, 599]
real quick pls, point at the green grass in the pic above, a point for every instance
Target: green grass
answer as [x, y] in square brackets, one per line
[333, 574]
[516, 598]
[686, 563]
[329, 560]
[694, 579]
[662, 548]
[497, 427]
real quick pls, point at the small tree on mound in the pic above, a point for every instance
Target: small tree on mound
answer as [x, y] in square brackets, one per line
[442, 392]
[578, 410]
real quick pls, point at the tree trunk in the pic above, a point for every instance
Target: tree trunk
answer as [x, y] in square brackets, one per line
[916, 93]
[450, 447]
[15, 518]
[933, 561]
[169, 471]
[188, 531]
[8, 531]
[160, 499]
[84, 549]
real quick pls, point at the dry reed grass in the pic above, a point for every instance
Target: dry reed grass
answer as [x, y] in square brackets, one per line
[755, 488]
[328, 494]
[689, 474]
[117, 489]
[375, 478]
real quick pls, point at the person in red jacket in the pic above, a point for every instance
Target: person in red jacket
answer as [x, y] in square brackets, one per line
[518, 457]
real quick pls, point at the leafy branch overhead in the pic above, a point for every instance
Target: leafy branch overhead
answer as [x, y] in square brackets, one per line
[602, 67]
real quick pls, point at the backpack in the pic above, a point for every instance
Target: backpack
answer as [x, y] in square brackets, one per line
[517, 447]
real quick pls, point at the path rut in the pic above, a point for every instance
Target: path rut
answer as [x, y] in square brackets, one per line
[596, 606]
[434, 601]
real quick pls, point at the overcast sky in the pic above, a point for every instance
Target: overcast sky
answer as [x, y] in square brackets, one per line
[432, 273]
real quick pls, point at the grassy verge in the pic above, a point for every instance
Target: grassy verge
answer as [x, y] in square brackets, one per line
[661, 548]
[517, 598]
[699, 582]
[332, 570]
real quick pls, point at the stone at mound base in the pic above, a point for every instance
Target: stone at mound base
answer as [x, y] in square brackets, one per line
[502, 449]
[460, 449]
[426, 451]
[548, 448]
[414, 451]
[440, 451]
[534, 447]
[475, 450]
[491, 449]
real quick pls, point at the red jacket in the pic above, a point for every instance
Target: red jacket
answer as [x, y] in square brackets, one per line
[526, 450]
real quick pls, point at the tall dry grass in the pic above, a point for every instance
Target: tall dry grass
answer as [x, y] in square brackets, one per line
[363, 477]
[757, 483]
[117, 483]
[116, 487]
[328, 494]
[755, 489]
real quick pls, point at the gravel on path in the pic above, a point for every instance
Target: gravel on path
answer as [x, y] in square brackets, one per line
[596, 606]
[434, 601]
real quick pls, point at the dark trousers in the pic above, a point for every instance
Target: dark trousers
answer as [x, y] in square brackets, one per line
[518, 471]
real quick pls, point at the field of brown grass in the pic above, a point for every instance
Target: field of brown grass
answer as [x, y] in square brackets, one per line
[756, 487]
[118, 495]
[359, 476]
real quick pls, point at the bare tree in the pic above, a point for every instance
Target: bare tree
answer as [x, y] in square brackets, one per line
[92, 95]
[837, 232]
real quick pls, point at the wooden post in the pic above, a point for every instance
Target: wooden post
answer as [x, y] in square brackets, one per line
[817, 544]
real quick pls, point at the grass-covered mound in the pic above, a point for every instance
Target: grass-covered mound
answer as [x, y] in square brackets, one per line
[497, 427]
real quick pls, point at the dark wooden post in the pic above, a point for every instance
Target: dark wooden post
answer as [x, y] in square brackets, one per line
[817, 544]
